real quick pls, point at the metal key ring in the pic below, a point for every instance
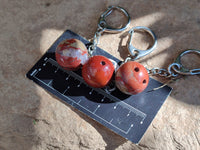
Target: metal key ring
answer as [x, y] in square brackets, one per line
[137, 53]
[181, 69]
[107, 28]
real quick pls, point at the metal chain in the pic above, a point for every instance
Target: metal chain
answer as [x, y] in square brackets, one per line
[95, 40]
[166, 73]
[160, 72]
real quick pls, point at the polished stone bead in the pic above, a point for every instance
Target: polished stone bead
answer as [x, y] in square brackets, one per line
[98, 71]
[131, 78]
[71, 54]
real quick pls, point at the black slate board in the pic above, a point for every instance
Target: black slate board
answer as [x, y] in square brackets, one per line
[128, 116]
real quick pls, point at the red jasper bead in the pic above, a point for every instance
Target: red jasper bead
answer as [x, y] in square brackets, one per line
[131, 78]
[71, 53]
[98, 71]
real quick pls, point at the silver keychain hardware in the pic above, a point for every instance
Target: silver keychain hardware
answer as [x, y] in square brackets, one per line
[104, 27]
[175, 69]
[161, 72]
[180, 69]
[137, 53]
[108, 28]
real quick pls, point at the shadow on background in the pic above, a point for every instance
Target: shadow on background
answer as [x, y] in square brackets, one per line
[22, 27]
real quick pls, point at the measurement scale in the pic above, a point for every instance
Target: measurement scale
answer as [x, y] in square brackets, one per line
[128, 116]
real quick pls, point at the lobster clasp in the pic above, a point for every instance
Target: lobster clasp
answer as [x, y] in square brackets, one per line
[180, 69]
[107, 28]
[137, 53]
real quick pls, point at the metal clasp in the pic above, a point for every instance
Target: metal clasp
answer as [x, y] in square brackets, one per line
[137, 53]
[107, 28]
[180, 69]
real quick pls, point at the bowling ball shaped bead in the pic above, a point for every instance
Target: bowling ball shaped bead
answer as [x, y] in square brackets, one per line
[98, 71]
[131, 78]
[71, 54]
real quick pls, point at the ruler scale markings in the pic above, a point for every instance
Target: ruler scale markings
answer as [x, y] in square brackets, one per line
[138, 112]
[84, 107]
[45, 59]
[55, 64]
[34, 71]
[96, 109]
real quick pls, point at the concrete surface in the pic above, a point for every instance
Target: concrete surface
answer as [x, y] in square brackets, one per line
[31, 118]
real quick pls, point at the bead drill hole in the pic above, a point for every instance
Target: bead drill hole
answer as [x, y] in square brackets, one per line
[137, 69]
[144, 81]
[103, 63]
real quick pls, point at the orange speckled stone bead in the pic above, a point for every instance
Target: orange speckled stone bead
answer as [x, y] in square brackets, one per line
[98, 71]
[131, 78]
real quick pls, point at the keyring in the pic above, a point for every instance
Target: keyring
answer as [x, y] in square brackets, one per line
[137, 53]
[103, 24]
[180, 69]
[104, 27]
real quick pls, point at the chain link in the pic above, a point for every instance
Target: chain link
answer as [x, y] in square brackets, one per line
[95, 40]
[162, 73]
